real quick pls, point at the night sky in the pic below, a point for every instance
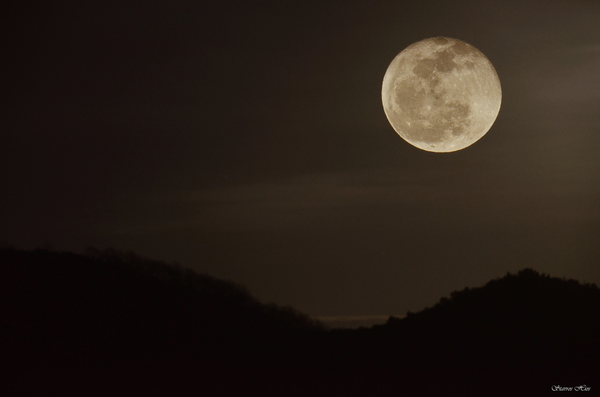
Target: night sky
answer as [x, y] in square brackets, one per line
[247, 140]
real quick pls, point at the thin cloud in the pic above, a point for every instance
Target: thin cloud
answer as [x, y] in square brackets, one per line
[328, 199]
[276, 205]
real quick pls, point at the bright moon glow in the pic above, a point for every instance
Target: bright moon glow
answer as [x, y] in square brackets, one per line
[441, 94]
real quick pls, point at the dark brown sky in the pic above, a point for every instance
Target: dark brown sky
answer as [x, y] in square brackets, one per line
[247, 140]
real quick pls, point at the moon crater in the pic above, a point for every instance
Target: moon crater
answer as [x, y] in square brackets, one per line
[441, 94]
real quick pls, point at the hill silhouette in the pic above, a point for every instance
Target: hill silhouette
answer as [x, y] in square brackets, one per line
[109, 323]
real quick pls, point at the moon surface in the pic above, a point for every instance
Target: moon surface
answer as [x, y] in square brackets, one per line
[441, 94]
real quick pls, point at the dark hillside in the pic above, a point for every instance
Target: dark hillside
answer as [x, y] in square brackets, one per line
[520, 334]
[114, 324]
[91, 324]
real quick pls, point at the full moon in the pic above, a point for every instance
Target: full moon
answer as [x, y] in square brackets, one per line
[441, 94]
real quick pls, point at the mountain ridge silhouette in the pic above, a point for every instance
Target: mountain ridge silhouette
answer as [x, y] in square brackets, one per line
[113, 323]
